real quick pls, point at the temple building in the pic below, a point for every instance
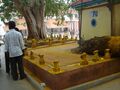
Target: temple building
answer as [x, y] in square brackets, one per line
[98, 18]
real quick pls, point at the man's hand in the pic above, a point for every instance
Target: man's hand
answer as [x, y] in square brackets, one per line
[24, 50]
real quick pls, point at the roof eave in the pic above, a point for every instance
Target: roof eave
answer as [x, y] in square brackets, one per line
[87, 4]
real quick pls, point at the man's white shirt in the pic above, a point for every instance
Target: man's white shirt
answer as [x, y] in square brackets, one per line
[14, 43]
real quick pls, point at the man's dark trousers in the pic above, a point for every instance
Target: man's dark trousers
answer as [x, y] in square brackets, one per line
[7, 62]
[14, 62]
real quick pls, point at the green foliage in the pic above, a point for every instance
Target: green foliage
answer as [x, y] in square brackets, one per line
[56, 8]
[8, 10]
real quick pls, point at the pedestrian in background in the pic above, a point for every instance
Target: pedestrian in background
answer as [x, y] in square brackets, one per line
[14, 45]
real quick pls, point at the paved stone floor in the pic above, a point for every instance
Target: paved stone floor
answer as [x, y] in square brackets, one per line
[111, 85]
[6, 82]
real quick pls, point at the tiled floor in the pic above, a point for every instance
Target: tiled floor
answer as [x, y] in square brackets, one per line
[6, 82]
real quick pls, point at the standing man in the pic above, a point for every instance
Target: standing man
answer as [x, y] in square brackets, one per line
[14, 45]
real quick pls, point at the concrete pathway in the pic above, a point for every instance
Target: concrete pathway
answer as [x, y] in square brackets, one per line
[111, 85]
[6, 82]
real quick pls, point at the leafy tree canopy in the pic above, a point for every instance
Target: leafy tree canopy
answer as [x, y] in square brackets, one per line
[52, 7]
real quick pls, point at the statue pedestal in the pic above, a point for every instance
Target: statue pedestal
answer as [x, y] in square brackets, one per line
[77, 76]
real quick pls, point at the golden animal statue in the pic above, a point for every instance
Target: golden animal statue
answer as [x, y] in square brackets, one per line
[32, 55]
[41, 59]
[63, 40]
[34, 43]
[56, 67]
[49, 41]
[84, 59]
[76, 38]
[26, 53]
[71, 37]
[107, 54]
[59, 37]
[95, 56]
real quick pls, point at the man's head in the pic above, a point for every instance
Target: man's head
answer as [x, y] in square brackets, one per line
[12, 25]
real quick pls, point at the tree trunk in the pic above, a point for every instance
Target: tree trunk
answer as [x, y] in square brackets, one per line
[34, 16]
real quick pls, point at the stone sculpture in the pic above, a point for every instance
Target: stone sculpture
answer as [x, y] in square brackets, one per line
[95, 56]
[84, 59]
[56, 67]
[41, 59]
[107, 54]
[32, 55]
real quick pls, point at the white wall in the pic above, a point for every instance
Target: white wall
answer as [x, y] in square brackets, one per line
[103, 22]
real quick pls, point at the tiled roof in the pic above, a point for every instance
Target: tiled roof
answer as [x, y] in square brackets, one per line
[86, 3]
[79, 1]
[21, 24]
[52, 23]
